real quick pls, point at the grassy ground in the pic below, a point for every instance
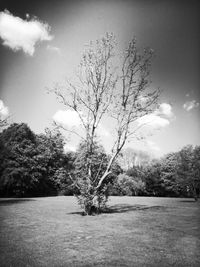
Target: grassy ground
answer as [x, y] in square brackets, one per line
[138, 231]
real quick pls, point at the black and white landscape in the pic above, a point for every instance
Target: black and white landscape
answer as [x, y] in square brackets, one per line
[99, 133]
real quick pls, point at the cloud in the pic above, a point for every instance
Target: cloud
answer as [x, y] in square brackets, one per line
[159, 118]
[4, 111]
[153, 120]
[70, 118]
[189, 105]
[67, 118]
[165, 110]
[19, 34]
[54, 49]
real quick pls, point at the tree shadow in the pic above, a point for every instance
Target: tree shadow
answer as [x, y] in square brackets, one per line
[188, 201]
[8, 202]
[77, 213]
[123, 208]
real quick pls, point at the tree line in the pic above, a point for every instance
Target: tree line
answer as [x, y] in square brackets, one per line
[176, 174]
[34, 165]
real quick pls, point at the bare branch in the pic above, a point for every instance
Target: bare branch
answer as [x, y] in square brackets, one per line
[74, 182]
[58, 126]
[104, 90]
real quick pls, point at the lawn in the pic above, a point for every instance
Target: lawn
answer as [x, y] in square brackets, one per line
[138, 231]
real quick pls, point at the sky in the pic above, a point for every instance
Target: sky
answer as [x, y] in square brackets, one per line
[41, 43]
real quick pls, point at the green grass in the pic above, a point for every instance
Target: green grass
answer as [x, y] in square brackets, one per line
[139, 231]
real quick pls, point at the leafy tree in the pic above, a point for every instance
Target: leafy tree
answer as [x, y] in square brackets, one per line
[153, 178]
[169, 174]
[105, 90]
[188, 176]
[196, 171]
[176, 174]
[19, 171]
[62, 175]
[50, 157]
[127, 185]
[98, 163]
[29, 162]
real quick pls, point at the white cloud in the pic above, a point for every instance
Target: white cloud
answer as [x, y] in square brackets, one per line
[67, 118]
[54, 49]
[19, 34]
[165, 110]
[189, 105]
[70, 118]
[159, 118]
[153, 120]
[68, 148]
[4, 112]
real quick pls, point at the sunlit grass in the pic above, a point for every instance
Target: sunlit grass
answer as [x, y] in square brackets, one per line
[137, 231]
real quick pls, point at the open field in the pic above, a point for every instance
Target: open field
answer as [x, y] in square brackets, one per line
[138, 231]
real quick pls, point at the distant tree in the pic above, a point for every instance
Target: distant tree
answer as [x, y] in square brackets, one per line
[130, 157]
[102, 89]
[188, 170]
[29, 162]
[155, 185]
[159, 176]
[136, 172]
[127, 185]
[169, 174]
[19, 172]
[50, 157]
[176, 174]
[196, 172]
[62, 176]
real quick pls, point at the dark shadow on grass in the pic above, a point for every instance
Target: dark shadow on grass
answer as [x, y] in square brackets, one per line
[77, 213]
[7, 202]
[123, 208]
[188, 201]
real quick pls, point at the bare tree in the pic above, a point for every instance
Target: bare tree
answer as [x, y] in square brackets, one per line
[105, 89]
[130, 157]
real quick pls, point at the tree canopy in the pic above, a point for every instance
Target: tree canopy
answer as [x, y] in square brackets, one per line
[29, 161]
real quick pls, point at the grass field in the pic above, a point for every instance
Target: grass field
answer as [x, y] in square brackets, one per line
[138, 231]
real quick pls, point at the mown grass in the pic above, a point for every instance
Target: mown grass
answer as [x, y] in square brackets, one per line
[137, 231]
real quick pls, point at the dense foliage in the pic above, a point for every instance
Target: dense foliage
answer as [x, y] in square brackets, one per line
[36, 165]
[85, 188]
[176, 174]
[29, 162]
